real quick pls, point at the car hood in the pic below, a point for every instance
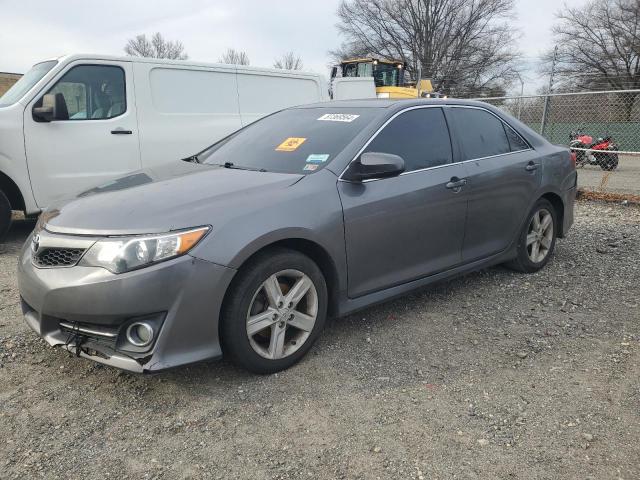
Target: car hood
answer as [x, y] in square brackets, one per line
[171, 197]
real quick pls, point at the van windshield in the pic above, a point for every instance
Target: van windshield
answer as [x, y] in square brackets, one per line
[298, 140]
[28, 80]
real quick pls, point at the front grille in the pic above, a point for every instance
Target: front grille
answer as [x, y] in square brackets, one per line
[58, 257]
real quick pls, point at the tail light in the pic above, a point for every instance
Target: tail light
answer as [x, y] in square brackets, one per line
[573, 158]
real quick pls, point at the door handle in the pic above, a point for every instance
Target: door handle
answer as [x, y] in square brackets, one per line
[456, 184]
[531, 167]
[121, 131]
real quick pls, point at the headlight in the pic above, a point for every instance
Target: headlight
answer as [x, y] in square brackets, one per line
[383, 95]
[122, 254]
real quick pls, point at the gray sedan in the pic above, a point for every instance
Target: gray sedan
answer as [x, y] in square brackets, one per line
[315, 211]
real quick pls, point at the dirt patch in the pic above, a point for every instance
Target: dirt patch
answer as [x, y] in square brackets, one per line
[492, 375]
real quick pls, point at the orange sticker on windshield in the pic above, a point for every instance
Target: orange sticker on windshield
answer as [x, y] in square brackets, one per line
[290, 144]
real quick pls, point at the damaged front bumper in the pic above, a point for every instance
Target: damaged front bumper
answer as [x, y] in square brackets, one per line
[87, 310]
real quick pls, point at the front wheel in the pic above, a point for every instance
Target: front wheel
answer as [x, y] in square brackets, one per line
[537, 239]
[5, 215]
[275, 311]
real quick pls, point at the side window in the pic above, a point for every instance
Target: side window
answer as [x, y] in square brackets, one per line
[91, 92]
[419, 136]
[516, 142]
[481, 134]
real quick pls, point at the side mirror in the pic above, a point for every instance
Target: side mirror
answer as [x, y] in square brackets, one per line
[47, 111]
[372, 165]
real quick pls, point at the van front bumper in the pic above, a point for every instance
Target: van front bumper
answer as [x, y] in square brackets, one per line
[87, 310]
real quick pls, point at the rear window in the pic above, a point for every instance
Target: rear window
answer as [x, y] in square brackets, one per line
[481, 133]
[291, 141]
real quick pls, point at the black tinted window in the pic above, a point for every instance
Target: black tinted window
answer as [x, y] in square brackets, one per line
[481, 134]
[515, 141]
[299, 140]
[419, 136]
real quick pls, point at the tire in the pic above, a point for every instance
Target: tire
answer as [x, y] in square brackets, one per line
[252, 304]
[5, 215]
[608, 161]
[545, 240]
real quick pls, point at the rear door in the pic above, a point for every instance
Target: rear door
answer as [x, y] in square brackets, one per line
[406, 227]
[503, 175]
[94, 138]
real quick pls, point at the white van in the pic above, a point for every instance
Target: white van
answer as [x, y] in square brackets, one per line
[74, 122]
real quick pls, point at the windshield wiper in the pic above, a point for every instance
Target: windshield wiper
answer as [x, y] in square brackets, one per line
[240, 167]
[192, 159]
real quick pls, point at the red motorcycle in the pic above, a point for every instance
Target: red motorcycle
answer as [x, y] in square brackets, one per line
[601, 152]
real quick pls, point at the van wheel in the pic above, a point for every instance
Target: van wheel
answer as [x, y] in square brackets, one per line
[537, 239]
[5, 215]
[275, 311]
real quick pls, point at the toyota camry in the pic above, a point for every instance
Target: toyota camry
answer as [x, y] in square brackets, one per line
[245, 249]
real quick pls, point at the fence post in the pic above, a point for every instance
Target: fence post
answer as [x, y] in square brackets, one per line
[545, 113]
[547, 100]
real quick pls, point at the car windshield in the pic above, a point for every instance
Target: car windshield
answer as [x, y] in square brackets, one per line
[299, 140]
[28, 80]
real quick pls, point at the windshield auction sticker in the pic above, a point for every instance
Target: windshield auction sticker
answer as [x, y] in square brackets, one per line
[318, 158]
[338, 117]
[290, 144]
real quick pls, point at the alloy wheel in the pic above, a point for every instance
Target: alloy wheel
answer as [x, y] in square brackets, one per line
[282, 314]
[540, 235]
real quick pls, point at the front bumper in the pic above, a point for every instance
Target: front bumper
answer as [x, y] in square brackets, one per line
[183, 296]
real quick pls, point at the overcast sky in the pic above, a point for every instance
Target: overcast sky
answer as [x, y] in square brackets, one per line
[33, 30]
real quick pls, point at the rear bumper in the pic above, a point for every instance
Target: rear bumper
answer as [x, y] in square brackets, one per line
[569, 202]
[183, 296]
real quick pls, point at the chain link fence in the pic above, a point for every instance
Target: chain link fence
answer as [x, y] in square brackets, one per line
[570, 118]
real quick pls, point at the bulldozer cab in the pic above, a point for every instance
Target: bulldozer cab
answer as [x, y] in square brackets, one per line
[385, 73]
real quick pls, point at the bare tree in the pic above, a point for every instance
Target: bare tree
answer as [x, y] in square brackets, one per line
[465, 46]
[234, 57]
[288, 61]
[157, 47]
[598, 46]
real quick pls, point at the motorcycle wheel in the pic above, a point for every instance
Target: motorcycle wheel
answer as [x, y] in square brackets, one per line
[581, 158]
[608, 161]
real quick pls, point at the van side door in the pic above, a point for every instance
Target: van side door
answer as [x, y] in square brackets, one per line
[93, 136]
[182, 109]
[503, 174]
[261, 93]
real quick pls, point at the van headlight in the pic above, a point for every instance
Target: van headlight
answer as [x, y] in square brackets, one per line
[383, 95]
[122, 254]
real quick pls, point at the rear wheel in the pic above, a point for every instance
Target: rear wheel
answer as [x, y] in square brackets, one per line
[608, 161]
[537, 239]
[275, 311]
[5, 215]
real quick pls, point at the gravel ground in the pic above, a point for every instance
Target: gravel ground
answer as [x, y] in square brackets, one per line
[493, 375]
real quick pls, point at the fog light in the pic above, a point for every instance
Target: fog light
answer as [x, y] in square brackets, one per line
[140, 334]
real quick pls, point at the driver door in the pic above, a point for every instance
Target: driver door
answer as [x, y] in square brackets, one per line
[403, 228]
[93, 137]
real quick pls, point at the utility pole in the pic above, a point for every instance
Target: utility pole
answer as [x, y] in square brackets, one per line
[547, 101]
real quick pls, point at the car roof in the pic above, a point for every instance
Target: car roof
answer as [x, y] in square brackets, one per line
[397, 103]
[391, 106]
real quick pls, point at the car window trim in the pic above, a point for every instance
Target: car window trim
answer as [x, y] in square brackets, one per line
[75, 65]
[387, 122]
[451, 137]
[503, 124]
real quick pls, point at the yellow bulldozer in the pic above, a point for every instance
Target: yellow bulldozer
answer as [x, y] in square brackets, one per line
[388, 77]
